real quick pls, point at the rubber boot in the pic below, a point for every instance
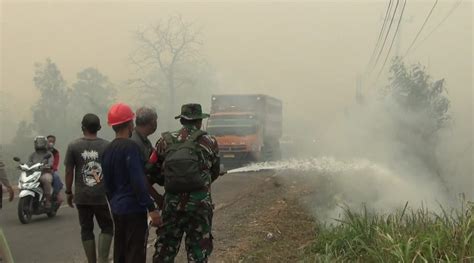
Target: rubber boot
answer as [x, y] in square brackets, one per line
[89, 248]
[104, 247]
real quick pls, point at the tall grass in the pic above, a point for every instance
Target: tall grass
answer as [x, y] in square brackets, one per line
[406, 235]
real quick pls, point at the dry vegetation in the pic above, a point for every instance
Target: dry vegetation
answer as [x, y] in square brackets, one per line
[273, 225]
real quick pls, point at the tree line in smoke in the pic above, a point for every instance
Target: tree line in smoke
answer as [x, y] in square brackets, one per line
[170, 71]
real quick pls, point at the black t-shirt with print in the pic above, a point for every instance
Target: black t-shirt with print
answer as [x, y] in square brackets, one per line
[85, 155]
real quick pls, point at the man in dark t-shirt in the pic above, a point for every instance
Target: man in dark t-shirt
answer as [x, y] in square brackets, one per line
[83, 166]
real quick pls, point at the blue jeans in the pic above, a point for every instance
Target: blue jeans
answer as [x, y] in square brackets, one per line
[57, 183]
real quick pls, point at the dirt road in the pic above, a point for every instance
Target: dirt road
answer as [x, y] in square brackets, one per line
[58, 239]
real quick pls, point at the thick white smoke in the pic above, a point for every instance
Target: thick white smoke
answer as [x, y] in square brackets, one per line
[353, 182]
[380, 158]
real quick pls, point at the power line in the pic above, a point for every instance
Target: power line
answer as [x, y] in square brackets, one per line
[382, 29]
[393, 41]
[386, 35]
[456, 5]
[422, 27]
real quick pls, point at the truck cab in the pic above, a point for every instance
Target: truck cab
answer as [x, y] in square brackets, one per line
[247, 128]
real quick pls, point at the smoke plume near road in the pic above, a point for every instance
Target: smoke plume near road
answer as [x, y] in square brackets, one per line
[384, 152]
[351, 183]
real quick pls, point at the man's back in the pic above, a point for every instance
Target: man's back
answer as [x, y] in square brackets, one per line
[124, 177]
[84, 154]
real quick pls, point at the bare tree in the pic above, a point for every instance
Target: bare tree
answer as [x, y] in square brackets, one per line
[162, 51]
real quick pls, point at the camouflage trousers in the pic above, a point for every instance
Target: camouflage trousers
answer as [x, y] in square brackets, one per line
[198, 241]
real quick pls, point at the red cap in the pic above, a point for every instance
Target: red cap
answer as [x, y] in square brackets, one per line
[119, 113]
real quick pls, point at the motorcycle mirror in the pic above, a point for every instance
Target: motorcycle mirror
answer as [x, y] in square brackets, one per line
[16, 159]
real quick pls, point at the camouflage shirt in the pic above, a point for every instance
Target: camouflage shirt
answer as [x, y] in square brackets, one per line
[194, 200]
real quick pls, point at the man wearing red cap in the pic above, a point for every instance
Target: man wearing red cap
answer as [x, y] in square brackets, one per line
[126, 189]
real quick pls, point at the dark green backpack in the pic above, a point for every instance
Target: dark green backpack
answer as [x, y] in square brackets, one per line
[183, 164]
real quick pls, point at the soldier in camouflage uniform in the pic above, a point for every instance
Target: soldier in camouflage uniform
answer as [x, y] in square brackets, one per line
[189, 212]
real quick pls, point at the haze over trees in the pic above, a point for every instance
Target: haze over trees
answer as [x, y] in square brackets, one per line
[170, 68]
[92, 91]
[414, 110]
[421, 111]
[170, 71]
[60, 107]
[48, 113]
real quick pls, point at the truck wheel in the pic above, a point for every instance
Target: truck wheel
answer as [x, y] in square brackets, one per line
[24, 209]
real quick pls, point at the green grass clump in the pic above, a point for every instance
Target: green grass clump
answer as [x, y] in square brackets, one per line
[404, 236]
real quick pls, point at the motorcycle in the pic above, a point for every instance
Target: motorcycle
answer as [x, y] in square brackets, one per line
[31, 198]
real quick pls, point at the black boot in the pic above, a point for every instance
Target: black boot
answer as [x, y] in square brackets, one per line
[89, 248]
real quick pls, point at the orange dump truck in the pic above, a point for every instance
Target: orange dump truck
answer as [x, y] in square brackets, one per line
[247, 127]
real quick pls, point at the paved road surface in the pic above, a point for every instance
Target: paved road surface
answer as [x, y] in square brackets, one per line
[58, 239]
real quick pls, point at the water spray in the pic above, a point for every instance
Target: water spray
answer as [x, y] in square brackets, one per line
[361, 180]
[255, 167]
[322, 164]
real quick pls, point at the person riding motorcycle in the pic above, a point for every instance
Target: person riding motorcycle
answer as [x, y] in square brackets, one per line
[57, 182]
[43, 155]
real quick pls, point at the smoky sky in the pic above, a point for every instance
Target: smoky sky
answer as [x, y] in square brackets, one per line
[308, 54]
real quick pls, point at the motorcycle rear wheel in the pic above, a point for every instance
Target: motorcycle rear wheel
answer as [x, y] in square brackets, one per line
[24, 209]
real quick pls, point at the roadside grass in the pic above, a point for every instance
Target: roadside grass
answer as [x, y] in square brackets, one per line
[406, 235]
